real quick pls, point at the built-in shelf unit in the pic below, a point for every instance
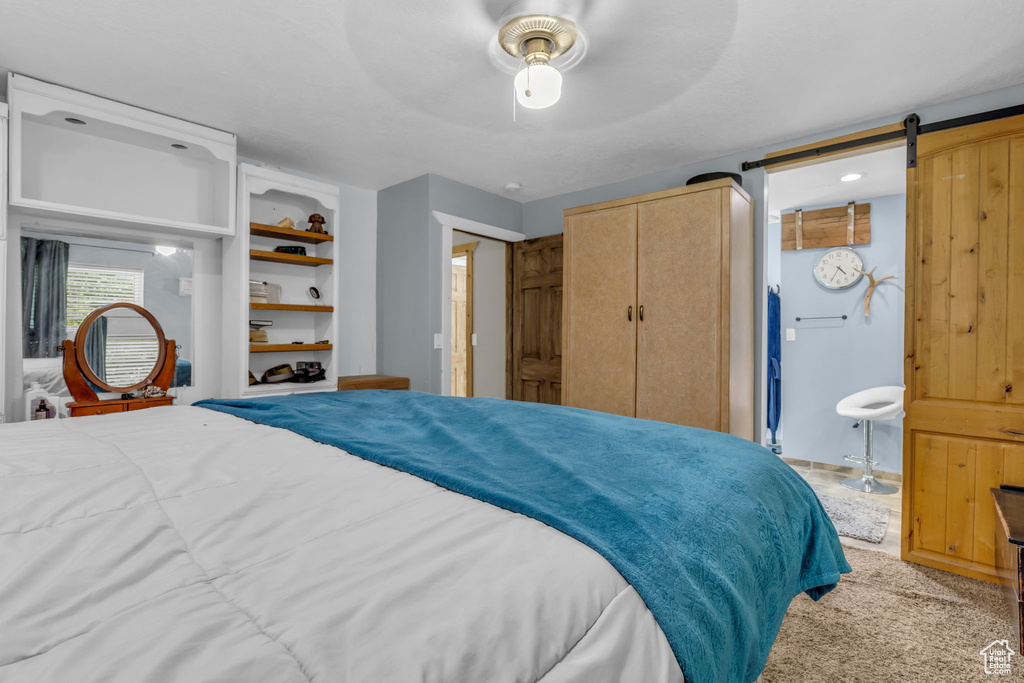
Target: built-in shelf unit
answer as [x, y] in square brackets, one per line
[78, 156]
[265, 197]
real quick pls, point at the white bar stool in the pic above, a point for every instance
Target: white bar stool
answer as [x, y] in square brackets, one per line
[877, 403]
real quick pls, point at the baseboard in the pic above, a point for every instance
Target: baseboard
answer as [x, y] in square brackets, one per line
[894, 477]
[953, 565]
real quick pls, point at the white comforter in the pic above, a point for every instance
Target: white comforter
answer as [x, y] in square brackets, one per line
[181, 544]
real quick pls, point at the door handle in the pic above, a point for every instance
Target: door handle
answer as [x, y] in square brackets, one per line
[629, 314]
[641, 311]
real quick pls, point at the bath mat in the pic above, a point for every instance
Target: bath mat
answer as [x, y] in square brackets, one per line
[856, 518]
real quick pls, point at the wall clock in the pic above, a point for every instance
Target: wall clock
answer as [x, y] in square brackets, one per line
[839, 268]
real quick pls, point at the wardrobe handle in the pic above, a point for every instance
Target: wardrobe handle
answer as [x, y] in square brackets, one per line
[641, 311]
[629, 314]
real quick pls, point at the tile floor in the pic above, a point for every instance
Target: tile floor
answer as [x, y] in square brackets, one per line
[827, 482]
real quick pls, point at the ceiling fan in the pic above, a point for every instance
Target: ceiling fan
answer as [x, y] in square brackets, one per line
[538, 40]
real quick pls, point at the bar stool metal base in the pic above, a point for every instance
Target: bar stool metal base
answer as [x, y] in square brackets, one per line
[868, 484]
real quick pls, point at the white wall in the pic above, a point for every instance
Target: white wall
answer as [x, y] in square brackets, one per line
[488, 314]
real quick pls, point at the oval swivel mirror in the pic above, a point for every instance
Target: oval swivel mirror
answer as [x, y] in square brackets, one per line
[119, 349]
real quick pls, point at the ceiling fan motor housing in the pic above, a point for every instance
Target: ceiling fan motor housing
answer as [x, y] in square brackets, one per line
[537, 38]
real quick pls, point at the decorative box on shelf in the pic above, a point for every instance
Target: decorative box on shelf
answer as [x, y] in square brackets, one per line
[75, 155]
[282, 266]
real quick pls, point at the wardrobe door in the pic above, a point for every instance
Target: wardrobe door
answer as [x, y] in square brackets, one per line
[600, 311]
[964, 360]
[680, 300]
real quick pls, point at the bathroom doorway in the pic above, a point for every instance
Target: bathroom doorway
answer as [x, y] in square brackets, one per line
[477, 331]
[462, 319]
[825, 221]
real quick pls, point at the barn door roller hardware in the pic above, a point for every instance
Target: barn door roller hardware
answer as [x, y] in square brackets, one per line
[912, 127]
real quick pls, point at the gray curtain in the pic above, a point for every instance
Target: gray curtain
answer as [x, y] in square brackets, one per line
[44, 274]
[96, 347]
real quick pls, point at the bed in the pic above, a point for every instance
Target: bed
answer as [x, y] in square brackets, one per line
[188, 544]
[48, 373]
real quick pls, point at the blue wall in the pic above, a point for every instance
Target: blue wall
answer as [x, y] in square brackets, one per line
[403, 305]
[409, 267]
[830, 359]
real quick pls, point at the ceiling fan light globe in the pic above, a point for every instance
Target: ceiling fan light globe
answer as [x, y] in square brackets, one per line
[538, 86]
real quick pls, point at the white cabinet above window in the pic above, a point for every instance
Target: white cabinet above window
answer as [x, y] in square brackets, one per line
[74, 155]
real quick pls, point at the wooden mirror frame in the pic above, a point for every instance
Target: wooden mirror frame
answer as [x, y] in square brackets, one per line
[77, 370]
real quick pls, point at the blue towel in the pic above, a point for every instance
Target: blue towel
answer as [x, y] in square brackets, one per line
[774, 363]
[715, 533]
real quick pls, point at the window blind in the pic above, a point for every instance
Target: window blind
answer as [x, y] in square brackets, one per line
[89, 287]
[129, 359]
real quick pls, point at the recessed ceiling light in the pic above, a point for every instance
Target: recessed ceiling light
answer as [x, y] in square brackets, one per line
[178, 145]
[851, 176]
[77, 122]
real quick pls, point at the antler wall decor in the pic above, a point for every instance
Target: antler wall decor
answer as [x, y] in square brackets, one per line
[871, 287]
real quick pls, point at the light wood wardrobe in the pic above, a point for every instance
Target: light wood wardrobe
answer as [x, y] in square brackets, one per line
[964, 359]
[658, 311]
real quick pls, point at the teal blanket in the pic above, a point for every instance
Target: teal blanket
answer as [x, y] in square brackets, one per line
[715, 533]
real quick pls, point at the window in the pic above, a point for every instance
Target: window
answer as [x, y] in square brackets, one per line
[89, 287]
[129, 355]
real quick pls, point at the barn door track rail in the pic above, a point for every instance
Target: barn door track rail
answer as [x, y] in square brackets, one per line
[912, 127]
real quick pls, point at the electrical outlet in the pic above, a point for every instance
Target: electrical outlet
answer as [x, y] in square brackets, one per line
[790, 334]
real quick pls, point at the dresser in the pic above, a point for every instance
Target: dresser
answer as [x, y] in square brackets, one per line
[356, 382]
[658, 310]
[1009, 548]
[116, 405]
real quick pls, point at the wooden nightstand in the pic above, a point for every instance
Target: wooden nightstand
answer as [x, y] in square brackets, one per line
[116, 405]
[352, 382]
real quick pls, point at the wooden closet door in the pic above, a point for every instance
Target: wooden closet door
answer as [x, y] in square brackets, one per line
[679, 338]
[536, 344]
[964, 429]
[600, 311]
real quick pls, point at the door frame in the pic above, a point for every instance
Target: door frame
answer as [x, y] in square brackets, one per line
[450, 223]
[760, 425]
[467, 250]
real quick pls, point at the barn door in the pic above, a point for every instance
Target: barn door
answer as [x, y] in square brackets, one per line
[964, 429]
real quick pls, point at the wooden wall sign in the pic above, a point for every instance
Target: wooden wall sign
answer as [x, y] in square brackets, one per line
[826, 228]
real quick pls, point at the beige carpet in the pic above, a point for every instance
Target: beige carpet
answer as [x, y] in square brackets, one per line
[890, 620]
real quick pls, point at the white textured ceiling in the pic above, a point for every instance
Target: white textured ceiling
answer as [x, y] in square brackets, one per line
[882, 173]
[373, 92]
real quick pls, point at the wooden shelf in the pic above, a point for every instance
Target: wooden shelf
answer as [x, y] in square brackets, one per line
[293, 259]
[291, 307]
[288, 388]
[264, 230]
[277, 348]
